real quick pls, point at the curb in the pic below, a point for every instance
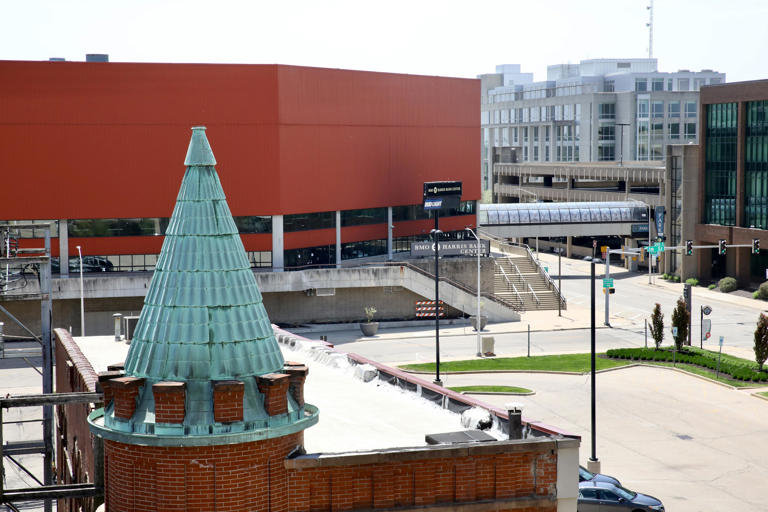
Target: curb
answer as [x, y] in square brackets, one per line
[551, 372]
[502, 393]
[761, 397]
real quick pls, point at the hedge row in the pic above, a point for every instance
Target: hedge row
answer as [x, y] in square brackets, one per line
[736, 371]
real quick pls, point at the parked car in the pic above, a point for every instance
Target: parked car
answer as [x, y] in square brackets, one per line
[600, 496]
[90, 264]
[587, 476]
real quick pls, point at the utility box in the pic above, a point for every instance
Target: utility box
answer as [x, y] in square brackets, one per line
[487, 344]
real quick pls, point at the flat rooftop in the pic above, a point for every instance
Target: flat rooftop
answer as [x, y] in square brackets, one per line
[354, 415]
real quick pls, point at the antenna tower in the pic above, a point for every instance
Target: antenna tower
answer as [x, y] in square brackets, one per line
[650, 30]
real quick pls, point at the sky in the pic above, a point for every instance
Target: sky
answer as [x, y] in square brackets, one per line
[426, 37]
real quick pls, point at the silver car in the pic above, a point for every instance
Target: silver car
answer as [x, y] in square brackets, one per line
[604, 496]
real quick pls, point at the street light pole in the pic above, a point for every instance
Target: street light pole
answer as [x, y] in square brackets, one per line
[593, 463]
[82, 295]
[436, 233]
[478, 324]
[559, 278]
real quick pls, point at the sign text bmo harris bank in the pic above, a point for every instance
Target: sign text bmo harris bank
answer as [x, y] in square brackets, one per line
[451, 248]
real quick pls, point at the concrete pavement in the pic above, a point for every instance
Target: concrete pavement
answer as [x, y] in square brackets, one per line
[695, 445]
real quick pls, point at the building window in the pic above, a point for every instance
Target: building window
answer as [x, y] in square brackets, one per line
[641, 85]
[690, 109]
[683, 84]
[505, 116]
[535, 153]
[606, 152]
[364, 216]
[673, 109]
[720, 164]
[674, 130]
[535, 134]
[485, 117]
[546, 153]
[505, 137]
[657, 84]
[690, 130]
[657, 109]
[606, 133]
[33, 232]
[606, 111]
[546, 134]
[307, 221]
[756, 165]
[610, 85]
[525, 135]
[669, 84]
[642, 109]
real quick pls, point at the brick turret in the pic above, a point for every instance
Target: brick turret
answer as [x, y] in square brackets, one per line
[204, 411]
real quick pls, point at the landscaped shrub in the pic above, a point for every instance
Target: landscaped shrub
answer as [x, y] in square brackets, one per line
[690, 355]
[676, 279]
[763, 291]
[692, 281]
[727, 285]
[711, 286]
[756, 295]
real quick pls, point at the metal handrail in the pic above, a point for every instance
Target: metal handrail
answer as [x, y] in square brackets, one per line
[538, 302]
[510, 283]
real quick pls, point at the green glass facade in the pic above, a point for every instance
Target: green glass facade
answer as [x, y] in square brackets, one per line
[720, 164]
[756, 165]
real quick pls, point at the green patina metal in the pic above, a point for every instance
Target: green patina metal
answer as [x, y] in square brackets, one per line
[203, 320]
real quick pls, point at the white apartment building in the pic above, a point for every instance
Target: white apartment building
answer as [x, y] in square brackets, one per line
[597, 110]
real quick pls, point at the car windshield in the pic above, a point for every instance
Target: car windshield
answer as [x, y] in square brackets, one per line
[584, 474]
[625, 493]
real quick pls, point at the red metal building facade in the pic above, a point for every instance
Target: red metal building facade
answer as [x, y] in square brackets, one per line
[290, 140]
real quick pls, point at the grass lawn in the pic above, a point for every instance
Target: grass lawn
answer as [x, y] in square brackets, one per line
[764, 393]
[579, 363]
[492, 389]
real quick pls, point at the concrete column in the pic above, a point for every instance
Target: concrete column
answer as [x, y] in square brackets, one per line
[741, 135]
[390, 227]
[63, 248]
[569, 246]
[338, 238]
[278, 244]
[629, 263]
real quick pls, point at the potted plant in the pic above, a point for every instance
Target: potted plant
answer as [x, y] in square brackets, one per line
[369, 327]
[483, 319]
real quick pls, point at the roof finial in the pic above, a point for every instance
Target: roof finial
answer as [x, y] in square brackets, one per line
[199, 151]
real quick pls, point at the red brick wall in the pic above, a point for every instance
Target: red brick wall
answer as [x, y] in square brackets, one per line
[170, 398]
[228, 401]
[237, 477]
[257, 476]
[74, 449]
[511, 481]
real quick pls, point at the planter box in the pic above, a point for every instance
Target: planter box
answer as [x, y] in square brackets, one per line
[483, 321]
[370, 328]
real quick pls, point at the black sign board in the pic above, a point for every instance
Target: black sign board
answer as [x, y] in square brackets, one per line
[451, 248]
[442, 195]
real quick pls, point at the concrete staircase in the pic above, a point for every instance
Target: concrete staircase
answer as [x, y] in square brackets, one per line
[519, 279]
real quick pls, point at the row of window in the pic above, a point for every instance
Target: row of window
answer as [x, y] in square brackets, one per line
[326, 254]
[537, 92]
[555, 215]
[532, 114]
[720, 164]
[657, 108]
[662, 84]
[138, 262]
[85, 228]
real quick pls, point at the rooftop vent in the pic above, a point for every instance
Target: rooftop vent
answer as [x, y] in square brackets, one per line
[57, 59]
[96, 57]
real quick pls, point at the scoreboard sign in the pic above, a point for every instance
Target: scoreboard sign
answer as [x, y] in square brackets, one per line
[442, 195]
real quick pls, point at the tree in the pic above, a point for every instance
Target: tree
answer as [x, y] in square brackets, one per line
[657, 325]
[761, 340]
[680, 320]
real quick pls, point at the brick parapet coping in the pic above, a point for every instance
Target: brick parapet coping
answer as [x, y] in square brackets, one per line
[391, 455]
[84, 368]
[407, 377]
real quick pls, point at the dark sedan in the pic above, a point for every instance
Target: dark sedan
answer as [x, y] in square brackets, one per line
[587, 476]
[602, 496]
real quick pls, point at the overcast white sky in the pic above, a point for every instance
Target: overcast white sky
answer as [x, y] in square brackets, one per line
[447, 37]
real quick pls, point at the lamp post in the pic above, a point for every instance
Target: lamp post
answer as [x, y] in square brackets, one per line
[478, 323]
[82, 295]
[436, 234]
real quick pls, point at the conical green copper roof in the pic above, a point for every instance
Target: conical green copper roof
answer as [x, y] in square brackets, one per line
[203, 317]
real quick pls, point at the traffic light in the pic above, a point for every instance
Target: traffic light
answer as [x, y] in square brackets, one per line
[611, 290]
[755, 246]
[721, 246]
[689, 247]
[686, 291]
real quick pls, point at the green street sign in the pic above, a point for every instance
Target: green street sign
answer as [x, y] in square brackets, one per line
[652, 249]
[660, 246]
[608, 283]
